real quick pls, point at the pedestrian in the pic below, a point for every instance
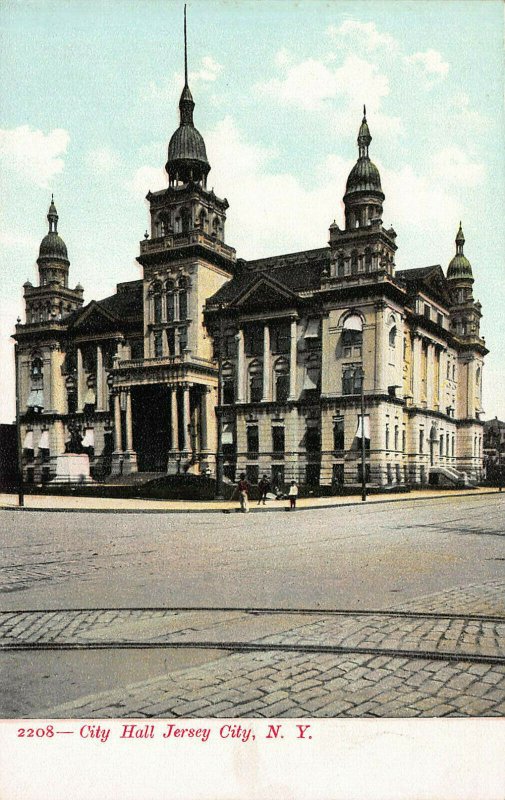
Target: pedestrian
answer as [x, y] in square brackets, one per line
[264, 487]
[292, 494]
[243, 493]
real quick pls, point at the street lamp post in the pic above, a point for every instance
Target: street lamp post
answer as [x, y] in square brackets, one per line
[219, 454]
[21, 496]
[363, 442]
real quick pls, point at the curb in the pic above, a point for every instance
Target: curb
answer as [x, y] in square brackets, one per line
[263, 510]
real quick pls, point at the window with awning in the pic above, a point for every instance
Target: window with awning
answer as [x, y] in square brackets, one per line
[227, 433]
[28, 441]
[44, 441]
[312, 330]
[312, 379]
[88, 438]
[90, 398]
[363, 427]
[36, 399]
[352, 336]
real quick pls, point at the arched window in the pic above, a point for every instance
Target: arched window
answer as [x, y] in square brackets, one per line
[352, 336]
[157, 301]
[392, 336]
[368, 259]
[170, 302]
[37, 368]
[183, 298]
[340, 265]
[255, 382]
[203, 219]
[185, 220]
[281, 378]
[354, 262]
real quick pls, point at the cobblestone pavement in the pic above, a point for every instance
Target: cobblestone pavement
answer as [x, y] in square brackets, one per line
[429, 673]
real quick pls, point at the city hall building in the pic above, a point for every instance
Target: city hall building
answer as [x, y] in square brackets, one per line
[255, 365]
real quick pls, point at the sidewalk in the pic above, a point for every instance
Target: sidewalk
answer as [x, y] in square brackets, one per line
[35, 502]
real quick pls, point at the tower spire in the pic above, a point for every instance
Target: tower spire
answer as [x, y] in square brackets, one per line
[185, 50]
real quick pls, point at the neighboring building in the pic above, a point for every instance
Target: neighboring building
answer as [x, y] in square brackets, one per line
[8, 456]
[494, 449]
[286, 338]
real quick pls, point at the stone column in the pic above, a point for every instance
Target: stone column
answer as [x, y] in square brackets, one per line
[381, 348]
[292, 362]
[56, 381]
[80, 381]
[266, 363]
[430, 370]
[174, 419]
[416, 368]
[204, 443]
[186, 416]
[129, 421]
[99, 379]
[240, 366]
[117, 424]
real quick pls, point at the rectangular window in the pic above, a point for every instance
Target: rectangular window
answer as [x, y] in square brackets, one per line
[252, 473]
[338, 474]
[440, 320]
[281, 388]
[256, 388]
[338, 434]
[312, 439]
[171, 341]
[277, 476]
[278, 444]
[312, 472]
[387, 436]
[427, 311]
[253, 340]
[252, 439]
[404, 440]
[280, 337]
[158, 345]
[421, 441]
[183, 339]
[360, 472]
[228, 392]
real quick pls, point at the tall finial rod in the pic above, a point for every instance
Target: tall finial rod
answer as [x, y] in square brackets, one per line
[185, 49]
[364, 110]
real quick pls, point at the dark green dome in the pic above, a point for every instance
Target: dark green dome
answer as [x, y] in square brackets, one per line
[187, 144]
[460, 266]
[53, 246]
[364, 177]
[187, 156]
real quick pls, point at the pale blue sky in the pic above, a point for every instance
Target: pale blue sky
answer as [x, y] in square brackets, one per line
[89, 92]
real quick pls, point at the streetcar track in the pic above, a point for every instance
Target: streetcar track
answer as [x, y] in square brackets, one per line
[259, 647]
[272, 611]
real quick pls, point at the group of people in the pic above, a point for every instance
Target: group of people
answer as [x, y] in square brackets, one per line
[265, 489]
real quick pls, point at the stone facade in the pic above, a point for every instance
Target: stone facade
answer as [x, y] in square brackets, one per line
[274, 354]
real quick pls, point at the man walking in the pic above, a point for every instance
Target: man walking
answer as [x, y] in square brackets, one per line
[264, 487]
[292, 494]
[243, 493]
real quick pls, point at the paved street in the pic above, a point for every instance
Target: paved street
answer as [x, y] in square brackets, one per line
[226, 615]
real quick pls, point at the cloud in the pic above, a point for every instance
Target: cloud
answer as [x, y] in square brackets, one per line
[453, 165]
[18, 240]
[32, 154]
[103, 160]
[431, 63]
[208, 71]
[306, 85]
[169, 90]
[364, 34]
[147, 179]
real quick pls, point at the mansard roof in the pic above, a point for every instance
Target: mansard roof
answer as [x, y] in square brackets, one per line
[113, 312]
[429, 280]
[295, 272]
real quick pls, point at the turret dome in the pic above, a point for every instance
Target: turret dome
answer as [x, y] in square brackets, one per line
[52, 246]
[459, 266]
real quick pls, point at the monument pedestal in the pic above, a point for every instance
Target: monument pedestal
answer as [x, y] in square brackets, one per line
[72, 468]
